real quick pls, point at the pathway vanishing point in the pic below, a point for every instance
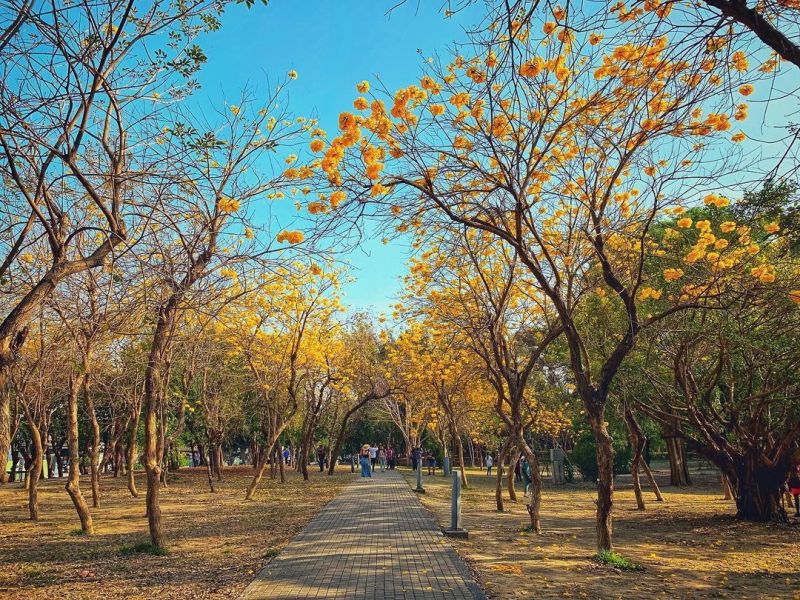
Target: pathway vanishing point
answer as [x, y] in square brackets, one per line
[375, 540]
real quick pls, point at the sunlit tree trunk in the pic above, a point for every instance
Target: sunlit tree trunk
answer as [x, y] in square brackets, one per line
[209, 470]
[73, 479]
[605, 484]
[35, 469]
[95, 425]
[511, 475]
[131, 453]
[534, 508]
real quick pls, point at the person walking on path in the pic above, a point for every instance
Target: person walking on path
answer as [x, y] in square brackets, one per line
[382, 457]
[489, 464]
[363, 459]
[390, 457]
[794, 489]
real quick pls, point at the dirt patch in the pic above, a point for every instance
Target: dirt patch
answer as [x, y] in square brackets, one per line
[690, 546]
[217, 542]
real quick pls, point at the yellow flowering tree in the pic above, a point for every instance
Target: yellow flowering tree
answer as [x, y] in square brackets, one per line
[566, 147]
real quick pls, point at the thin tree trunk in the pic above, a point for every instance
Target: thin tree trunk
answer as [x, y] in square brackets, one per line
[270, 446]
[209, 470]
[460, 446]
[498, 494]
[73, 481]
[534, 508]
[605, 484]
[678, 469]
[512, 492]
[134, 431]
[35, 470]
[95, 457]
[652, 480]
[14, 465]
[637, 442]
[726, 488]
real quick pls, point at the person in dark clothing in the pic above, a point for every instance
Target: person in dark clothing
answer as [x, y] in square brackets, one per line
[321, 458]
[431, 460]
[794, 489]
[416, 456]
[518, 471]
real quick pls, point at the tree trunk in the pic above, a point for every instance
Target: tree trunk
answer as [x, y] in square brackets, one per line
[460, 447]
[74, 477]
[652, 480]
[35, 470]
[678, 469]
[152, 464]
[534, 507]
[5, 432]
[605, 484]
[219, 459]
[131, 454]
[281, 469]
[498, 493]
[758, 489]
[155, 376]
[512, 492]
[638, 441]
[95, 457]
[271, 446]
[209, 471]
[14, 465]
[727, 492]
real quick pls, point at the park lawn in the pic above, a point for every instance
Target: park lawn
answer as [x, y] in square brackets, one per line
[689, 546]
[217, 542]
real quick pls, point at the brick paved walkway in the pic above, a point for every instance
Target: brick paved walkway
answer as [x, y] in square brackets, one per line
[373, 541]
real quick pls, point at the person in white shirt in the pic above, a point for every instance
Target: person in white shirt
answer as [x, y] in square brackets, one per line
[489, 463]
[373, 456]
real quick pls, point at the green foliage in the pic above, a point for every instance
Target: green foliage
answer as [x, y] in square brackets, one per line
[77, 532]
[584, 456]
[611, 558]
[143, 548]
[775, 201]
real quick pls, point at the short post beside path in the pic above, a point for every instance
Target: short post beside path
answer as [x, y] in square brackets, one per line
[455, 529]
[419, 489]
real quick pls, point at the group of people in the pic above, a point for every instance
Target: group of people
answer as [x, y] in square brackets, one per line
[428, 459]
[371, 456]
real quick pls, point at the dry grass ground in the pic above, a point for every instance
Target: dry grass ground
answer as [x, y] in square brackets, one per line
[689, 546]
[217, 542]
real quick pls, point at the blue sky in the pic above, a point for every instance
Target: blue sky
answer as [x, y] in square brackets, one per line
[332, 44]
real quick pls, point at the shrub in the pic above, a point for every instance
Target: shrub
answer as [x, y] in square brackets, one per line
[611, 558]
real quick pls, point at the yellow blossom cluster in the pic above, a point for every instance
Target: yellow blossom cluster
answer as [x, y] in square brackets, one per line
[291, 237]
[227, 205]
